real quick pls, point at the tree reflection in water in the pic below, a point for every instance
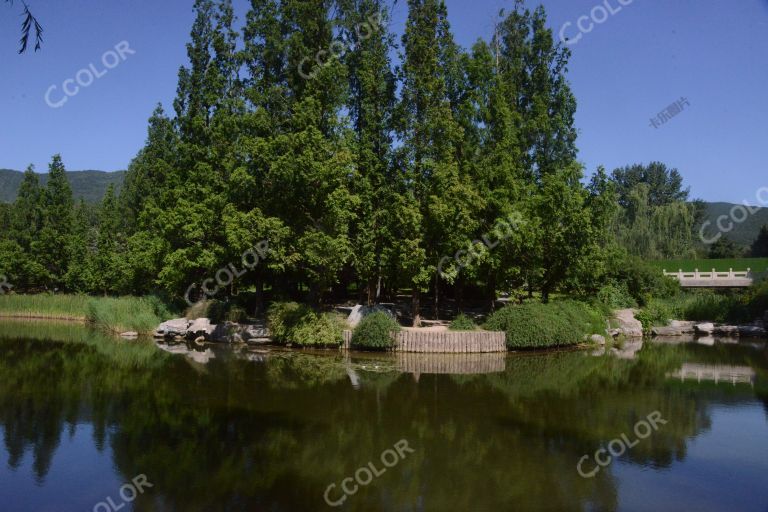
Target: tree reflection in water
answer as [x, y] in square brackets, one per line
[235, 434]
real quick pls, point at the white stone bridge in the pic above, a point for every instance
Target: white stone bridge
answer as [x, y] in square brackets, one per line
[714, 279]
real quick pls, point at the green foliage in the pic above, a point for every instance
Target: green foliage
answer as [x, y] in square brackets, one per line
[643, 281]
[616, 296]
[375, 332]
[655, 313]
[725, 248]
[557, 324]
[283, 318]
[140, 314]
[44, 306]
[759, 247]
[323, 330]
[462, 322]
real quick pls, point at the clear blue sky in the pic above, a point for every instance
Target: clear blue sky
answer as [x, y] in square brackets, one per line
[625, 71]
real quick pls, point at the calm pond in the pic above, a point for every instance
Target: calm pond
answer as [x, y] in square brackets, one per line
[94, 424]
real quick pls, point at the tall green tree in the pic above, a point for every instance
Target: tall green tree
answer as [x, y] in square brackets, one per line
[760, 245]
[57, 222]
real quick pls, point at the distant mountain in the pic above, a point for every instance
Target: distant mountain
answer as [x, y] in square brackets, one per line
[743, 233]
[90, 185]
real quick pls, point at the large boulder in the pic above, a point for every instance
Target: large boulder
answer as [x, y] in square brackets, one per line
[726, 330]
[629, 326]
[751, 331]
[685, 326]
[253, 333]
[359, 312]
[597, 339]
[202, 327]
[705, 329]
[667, 331]
[173, 328]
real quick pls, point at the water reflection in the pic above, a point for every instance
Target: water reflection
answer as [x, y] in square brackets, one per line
[270, 430]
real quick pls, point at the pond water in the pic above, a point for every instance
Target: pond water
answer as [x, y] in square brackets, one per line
[91, 423]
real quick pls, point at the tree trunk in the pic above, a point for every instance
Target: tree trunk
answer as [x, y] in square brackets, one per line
[459, 295]
[437, 296]
[492, 291]
[416, 308]
[259, 296]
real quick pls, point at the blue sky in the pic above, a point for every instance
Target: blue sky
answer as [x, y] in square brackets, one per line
[626, 70]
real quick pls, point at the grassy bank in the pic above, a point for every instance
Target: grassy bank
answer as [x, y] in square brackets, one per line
[741, 306]
[140, 314]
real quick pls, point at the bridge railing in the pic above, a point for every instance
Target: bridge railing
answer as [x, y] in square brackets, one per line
[712, 275]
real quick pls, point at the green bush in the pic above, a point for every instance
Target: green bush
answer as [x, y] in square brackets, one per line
[616, 296]
[462, 322]
[655, 313]
[284, 317]
[556, 324]
[323, 330]
[643, 281]
[375, 332]
[709, 306]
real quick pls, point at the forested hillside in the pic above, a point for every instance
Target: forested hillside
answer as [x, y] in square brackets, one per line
[744, 233]
[88, 185]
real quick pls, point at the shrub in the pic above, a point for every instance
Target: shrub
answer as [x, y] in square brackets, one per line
[655, 313]
[556, 324]
[643, 281]
[616, 296]
[284, 317]
[709, 306]
[375, 332]
[323, 330]
[462, 322]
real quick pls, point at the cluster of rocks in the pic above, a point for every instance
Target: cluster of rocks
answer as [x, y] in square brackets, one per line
[680, 328]
[202, 330]
[628, 325]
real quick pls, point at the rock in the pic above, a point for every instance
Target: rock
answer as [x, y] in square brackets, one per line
[685, 326]
[255, 333]
[629, 326]
[359, 312]
[751, 331]
[726, 330]
[598, 339]
[667, 331]
[131, 335]
[228, 332]
[705, 328]
[201, 327]
[175, 327]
